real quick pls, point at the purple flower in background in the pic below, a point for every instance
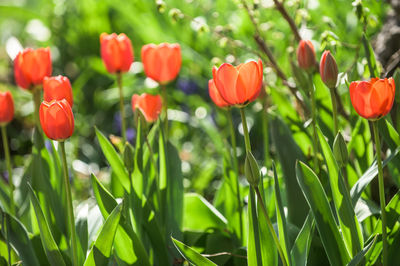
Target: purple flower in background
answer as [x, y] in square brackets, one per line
[5, 176]
[130, 134]
[187, 86]
[117, 123]
[49, 147]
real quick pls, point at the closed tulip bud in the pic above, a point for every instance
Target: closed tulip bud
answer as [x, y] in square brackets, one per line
[129, 157]
[57, 88]
[215, 96]
[6, 108]
[372, 99]
[116, 52]
[239, 85]
[149, 105]
[57, 119]
[340, 150]
[251, 170]
[328, 70]
[306, 55]
[31, 66]
[162, 62]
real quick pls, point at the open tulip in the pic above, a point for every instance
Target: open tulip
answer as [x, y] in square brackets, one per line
[306, 55]
[372, 99]
[6, 107]
[241, 84]
[149, 105]
[328, 69]
[116, 52]
[57, 88]
[215, 96]
[57, 119]
[161, 62]
[31, 66]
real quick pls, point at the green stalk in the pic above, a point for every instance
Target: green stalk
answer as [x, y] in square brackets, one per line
[121, 106]
[236, 168]
[70, 210]
[37, 97]
[314, 124]
[9, 168]
[381, 192]
[260, 200]
[165, 108]
[334, 111]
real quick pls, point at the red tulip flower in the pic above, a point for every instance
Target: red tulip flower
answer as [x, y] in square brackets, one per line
[149, 105]
[57, 119]
[116, 52]
[31, 66]
[215, 96]
[306, 55]
[6, 108]
[328, 69]
[241, 84]
[57, 88]
[161, 62]
[372, 99]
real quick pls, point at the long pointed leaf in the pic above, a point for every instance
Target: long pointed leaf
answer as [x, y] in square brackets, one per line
[301, 246]
[191, 255]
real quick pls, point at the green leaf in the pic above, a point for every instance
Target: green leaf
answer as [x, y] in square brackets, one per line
[301, 246]
[351, 229]
[101, 250]
[190, 254]
[114, 160]
[52, 252]
[360, 257]
[326, 225]
[200, 215]
[105, 200]
[281, 219]
[254, 256]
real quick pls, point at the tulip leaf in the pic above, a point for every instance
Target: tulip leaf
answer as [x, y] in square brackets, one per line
[253, 241]
[192, 256]
[317, 200]
[52, 252]
[359, 258]
[301, 246]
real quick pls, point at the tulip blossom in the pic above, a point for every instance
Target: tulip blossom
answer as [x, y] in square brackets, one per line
[328, 70]
[57, 88]
[31, 66]
[161, 62]
[6, 108]
[116, 52]
[149, 105]
[306, 55]
[215, 96]
[241, 84]
[372, 99]
[57, 119]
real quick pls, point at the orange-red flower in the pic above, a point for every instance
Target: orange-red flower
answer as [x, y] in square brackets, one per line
[239, 85]
[161, 62]
[328, 70]
[306, 55]
[215, 96]
[149, 105]
[372, 99]
[57, 88]
[31, 66]
[57, 119]
[116, 52]
[6, 107]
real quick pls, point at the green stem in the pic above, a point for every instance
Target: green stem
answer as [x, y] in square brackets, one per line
[121, 106]
[37, 97]
[70, 210]
[381, 191]
[245, 131]
[334, 111]
[165, 108]
[314, 124]
[9, 168]
[236, 168]
[271, 228]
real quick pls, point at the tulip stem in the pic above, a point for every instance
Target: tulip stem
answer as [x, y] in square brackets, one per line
[236, 168]
[70, 210]
[121, 106]
[381, 192]
[9, 168]
[36, 100]
[314, 124]
[245, 131]
[165, 107]
[334, 112]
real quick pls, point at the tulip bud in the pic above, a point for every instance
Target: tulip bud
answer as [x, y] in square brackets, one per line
[175, 14]
[116, 52]
[57, 119]
[149, 105]
[340, 150]
[57, 88]
[6, 108]
[129, 157]
[306, 55]
[328, 70]
[251, 170]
